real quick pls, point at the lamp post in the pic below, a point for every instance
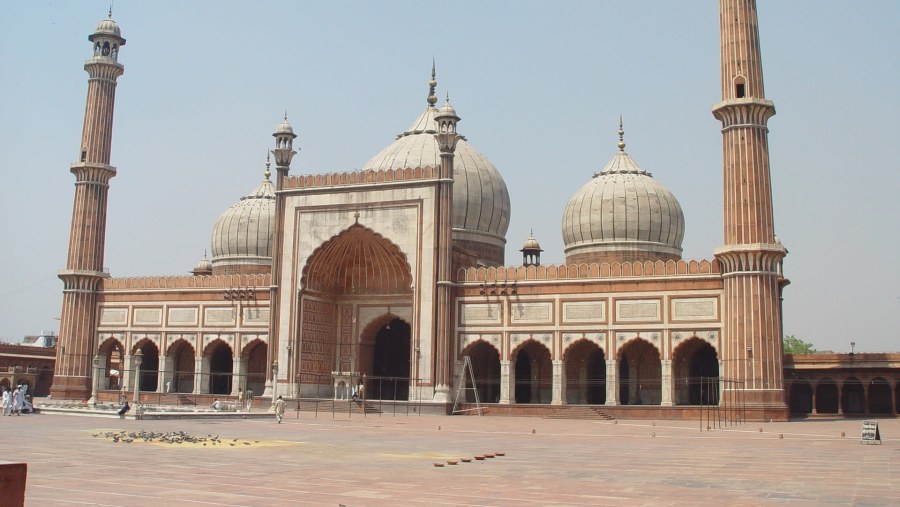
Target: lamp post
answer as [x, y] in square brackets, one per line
[95, 380]
[137, 359]
[852, 346]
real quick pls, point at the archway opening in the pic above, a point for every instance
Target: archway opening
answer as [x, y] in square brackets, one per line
[220, 369]
[390, 362]
[879, 396]
[533, 374]
[853, 401]
[585, 374]
[486, 371]
[183, 362]
[148, 378]
[111, 354]
[826, 397]
[256, 367]
[801, 396]
[696, 372]
[639, 374]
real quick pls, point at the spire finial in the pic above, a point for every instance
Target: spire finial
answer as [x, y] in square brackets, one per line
[621, 144]
[110, 9]
[267, 174]
[432, 98]
[285, 115]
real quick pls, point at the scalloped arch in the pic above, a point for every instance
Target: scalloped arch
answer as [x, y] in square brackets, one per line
[358, 261]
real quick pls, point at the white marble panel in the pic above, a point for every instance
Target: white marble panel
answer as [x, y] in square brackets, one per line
[183, 316]
[584, 311]
[219, 316]
[480, 313]
[147, 316]
[113, 316]
[694, 309]
[638, 311]
[532, 313]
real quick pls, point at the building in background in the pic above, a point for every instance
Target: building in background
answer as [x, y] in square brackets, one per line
[394, 278]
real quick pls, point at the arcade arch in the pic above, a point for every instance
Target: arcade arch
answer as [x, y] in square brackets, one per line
[182, 355]
[221, 361]
[585, 373]
[695, 365]
[111, 353]
[148, 377]
[486, 371]
[533, 380]
[639, 374]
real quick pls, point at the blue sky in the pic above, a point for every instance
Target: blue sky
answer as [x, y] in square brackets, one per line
[539, 87]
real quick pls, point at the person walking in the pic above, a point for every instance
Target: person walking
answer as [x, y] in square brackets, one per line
[6, 403]
[279, 409]
[17, 401]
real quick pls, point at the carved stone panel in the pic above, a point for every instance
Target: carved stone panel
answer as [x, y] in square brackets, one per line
[694, 309]
[113, 316]
[181, 316]
[644, 310]
[219, 316]
[532, 313]
[584, 311]
[148, 316]
[480, 313]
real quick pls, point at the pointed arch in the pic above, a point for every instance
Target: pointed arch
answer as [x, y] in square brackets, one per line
[485, 360]
[533, 372]
[585, 366]
[183, 359]
[640, 373]
[695, 368]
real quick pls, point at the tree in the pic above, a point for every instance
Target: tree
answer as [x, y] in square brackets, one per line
[794, 345]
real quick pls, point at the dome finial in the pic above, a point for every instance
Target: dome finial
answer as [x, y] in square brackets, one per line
[621, 144]
[432, 98]
[110, 10]
[267, 174]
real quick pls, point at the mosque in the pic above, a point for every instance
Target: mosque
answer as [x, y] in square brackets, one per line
[394, 278]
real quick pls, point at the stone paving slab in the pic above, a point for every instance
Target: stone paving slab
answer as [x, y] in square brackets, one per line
[380, 461]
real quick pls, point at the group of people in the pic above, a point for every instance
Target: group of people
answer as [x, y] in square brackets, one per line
[245, 400]
[15, 401]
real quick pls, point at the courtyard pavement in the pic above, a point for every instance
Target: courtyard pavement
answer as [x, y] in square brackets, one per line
[390, 460]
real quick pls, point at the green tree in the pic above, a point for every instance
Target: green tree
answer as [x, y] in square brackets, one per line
[794, 345]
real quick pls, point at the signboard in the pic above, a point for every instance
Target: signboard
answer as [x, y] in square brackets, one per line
[870, 433]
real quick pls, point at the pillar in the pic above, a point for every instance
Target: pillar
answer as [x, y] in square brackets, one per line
[612, 382]
[559, 378]
[505, 383]
[666, 392]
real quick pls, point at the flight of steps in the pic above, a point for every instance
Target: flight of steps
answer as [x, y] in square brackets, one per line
[336, 406]
[579, 412]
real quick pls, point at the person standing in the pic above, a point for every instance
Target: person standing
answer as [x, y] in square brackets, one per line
[249, 399]
[240, 399]
[17, 401]
[279, 409]
[6, 403]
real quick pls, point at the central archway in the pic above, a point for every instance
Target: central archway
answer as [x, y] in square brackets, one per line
[389, 373]
[356, 268]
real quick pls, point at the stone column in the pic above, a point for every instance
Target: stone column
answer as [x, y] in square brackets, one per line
[236, 375]
[813, 408]
[504, 383]
[126, 372]
[559, 379]
[198, 375]
[612, 382]
[841, 398]
[166, 365]
[666, 369]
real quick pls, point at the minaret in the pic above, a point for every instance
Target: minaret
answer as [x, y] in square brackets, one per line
[752, 256]
[84, 265]
[446, 137]
[284, 152]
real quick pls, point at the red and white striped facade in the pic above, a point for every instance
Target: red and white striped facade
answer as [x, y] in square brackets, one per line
[752, 256]
[84, 265]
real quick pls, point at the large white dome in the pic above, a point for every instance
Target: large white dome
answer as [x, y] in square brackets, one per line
[622, 214]
[480, 199]
[242, 236]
